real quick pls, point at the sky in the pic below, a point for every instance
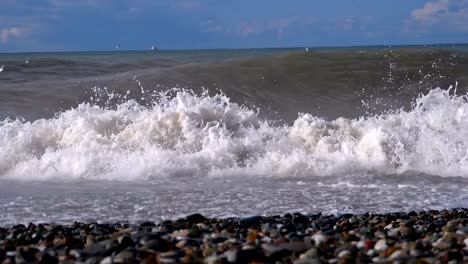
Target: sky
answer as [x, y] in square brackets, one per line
[80, 25]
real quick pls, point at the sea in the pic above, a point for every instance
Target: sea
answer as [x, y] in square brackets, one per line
[130, 136]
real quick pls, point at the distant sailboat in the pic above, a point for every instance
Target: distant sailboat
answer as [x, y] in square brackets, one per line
[117, 46]
[154, 48]
[307, 50]
[2, 68]
[27, 61]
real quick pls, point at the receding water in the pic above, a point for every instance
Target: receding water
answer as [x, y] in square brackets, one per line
[105, 201]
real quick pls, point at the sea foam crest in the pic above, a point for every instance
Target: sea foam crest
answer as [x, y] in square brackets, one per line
[192, 135]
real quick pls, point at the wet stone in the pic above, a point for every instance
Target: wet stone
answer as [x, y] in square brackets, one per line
[251, 221]
[195, 218]
[415, 237]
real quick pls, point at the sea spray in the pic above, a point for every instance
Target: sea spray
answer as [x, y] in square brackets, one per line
[182, 134]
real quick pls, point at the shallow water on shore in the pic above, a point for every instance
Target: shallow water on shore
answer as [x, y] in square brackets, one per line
[65, 202]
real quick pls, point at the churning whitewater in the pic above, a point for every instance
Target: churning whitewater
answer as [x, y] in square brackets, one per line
[183, 134]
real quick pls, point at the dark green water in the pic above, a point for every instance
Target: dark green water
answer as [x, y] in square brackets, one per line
[329, 82]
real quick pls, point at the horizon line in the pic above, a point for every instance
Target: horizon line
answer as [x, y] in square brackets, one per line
[247, 48]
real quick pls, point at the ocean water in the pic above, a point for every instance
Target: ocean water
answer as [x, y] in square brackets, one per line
[131, 136]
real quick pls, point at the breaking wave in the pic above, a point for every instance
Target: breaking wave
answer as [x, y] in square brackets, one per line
[183, 134]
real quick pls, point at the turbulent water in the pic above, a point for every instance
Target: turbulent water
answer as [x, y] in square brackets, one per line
[139, 135]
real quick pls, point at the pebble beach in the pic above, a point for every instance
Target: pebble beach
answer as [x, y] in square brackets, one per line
[411, 237]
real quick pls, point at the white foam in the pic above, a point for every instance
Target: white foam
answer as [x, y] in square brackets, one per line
[198, 136]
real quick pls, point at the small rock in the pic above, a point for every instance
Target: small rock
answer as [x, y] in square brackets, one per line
[251, 221]
[300, 219]
[106, 260]
[90, 240]
[344, 253]
[124, 257]
[368, 244]
[381, 245]
[318, 238]
[463, 230]
[371, 253]
[441, 244]
[167, 260]
[231, 256]
[125, 241]
[195, 219]
[311, 253]
[396, 254]
[147, 224]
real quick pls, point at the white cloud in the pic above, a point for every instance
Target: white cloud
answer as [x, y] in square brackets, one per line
[349, 23]
[7, 34]
[431, 11]
[211, 25]
[451, 14]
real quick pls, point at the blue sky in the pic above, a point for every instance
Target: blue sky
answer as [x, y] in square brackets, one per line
[69, 25]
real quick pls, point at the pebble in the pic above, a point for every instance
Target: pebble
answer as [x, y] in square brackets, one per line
[106, 260]
[343, 254]
[381, 245]
[318, 238]
[463, 231]
[395, 255]
[415, 237]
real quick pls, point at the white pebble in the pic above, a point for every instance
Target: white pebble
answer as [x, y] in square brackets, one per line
[107, 260]
[389, 226]
[381, 245]
[360, 244]
[396, 255]
[343, 254]
[318, 238]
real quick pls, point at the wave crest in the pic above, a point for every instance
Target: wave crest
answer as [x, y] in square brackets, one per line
[201, 135]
